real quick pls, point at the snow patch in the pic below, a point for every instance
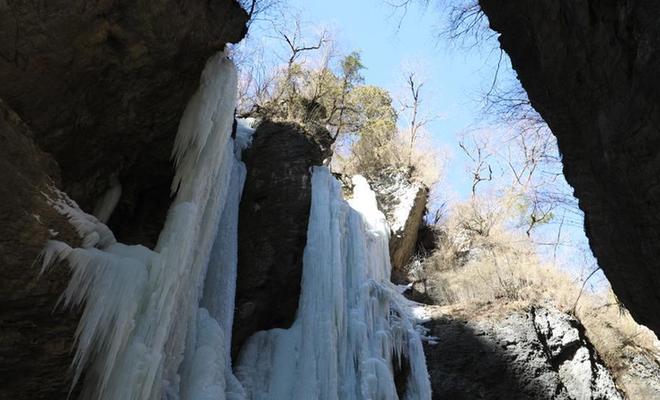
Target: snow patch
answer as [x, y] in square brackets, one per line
[245, 128]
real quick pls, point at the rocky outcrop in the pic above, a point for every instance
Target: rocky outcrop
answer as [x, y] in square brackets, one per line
[404, 204]
[572, 356]
[35, 337]
[404, 237]
[538, 354]
[590, 69]
[100, 88]
[640, 377]
[272, 228]
[103, 86]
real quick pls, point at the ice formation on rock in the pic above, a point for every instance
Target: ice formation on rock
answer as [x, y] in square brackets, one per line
[157, 323]
[141, 313]
[352, 325]
[107, 203]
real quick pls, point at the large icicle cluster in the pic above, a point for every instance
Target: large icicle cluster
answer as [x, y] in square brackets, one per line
[142, 334]
[352, 325]
[156, 324]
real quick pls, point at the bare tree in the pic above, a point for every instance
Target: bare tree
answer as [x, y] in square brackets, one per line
[270, 67]
[297, 44]
[412, 105]
[482, 169]
[415, 124]
[260, 9]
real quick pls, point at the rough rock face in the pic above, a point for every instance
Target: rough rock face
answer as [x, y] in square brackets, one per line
[540, 354]
[569, 352]
[272, 227]
[103, 86]
[641, 377]
[590, 69]
[404, 204]
[404, 239]
[35, 338]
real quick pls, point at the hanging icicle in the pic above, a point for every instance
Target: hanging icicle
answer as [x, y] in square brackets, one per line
[140, 307]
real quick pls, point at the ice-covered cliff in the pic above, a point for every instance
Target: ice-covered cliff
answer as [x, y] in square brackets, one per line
[142, 330]
[352, 327]
[158, 323]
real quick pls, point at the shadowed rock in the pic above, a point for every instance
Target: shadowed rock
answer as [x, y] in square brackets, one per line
[590, 69]
[35, 338]
[103, 86]
[542, 354]
[272, 227]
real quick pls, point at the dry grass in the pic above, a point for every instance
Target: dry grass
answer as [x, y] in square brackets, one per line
[481, 259]
[614, 332]
[483, 268]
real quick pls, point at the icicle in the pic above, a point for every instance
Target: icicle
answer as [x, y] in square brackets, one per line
[140, 307]
[352, 324]
[107, 203]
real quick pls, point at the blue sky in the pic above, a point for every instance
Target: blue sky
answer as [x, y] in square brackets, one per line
[455, 80]
[454, 77]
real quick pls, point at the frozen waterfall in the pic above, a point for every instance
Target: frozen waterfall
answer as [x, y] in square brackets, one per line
[141, 314]
[156, 324]
[352, 325]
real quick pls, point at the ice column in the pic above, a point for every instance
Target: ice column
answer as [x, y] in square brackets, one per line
[352, 325]
[141, 307]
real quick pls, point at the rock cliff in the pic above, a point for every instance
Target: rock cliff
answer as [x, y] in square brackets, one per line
[404, 204]
[272, 226]
[92, 95]
[35, 338]
[103, 87]
[590, 69]
[536, 354]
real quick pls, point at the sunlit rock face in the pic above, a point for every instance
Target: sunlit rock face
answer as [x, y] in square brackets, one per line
[403, 201]
[539, 354]
[590, 69]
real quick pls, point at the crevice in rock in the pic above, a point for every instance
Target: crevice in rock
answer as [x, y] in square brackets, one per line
[401, 373]
[565, 353]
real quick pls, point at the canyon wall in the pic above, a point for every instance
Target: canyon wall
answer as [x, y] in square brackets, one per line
[91, 95]
[590, 69]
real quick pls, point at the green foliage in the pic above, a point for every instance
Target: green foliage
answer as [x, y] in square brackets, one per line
[374, 111]
[338, 99]
[351, 66]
